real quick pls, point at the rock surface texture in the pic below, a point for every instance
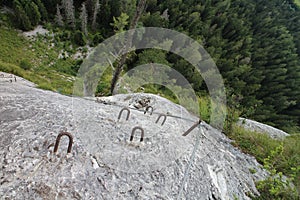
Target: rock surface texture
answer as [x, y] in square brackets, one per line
[262, 128]
[104, 163]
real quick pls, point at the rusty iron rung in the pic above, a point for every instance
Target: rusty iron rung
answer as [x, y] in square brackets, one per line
[147, 109]
[164, 120]
[58, 140]
[133, 132]
[191, 128]
[128, 113]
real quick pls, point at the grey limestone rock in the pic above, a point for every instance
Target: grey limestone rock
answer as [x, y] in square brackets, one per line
[104, 163]
[262, 128]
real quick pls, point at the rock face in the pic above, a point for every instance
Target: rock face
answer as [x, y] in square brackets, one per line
[104, 163]
[262, 128]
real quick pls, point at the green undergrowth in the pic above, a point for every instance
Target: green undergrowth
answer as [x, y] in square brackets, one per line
[279, 157]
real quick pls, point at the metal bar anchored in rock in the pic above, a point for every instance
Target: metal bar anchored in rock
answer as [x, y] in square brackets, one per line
[164, 120]
[128, 113]
[133, 132]
[58, 140]
[147, 109]
[192, 128]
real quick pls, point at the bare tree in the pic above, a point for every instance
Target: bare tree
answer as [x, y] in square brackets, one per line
[69, 12]
[58, 17]
[120, 65]
[84, 19]
[95, 14]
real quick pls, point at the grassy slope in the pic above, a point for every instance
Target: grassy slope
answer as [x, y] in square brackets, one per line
[15, 49]
[265, 149]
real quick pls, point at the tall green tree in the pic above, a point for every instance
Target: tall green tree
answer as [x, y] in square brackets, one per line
[21, 18]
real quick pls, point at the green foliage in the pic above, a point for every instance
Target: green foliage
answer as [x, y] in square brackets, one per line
[15, 48]
[41, 78]
[24, 64]
[96, 39]
[79, 38]
[275, 186]
[119, 23]
[42, 10]
[252, 171]
[279, 157]
[264, 75]
[28, 13]
[103, 87]
[204, 108]
[33, 13]
[21, 20]
[67, 66]
[297, 2]
[152, 56]
[152, 20]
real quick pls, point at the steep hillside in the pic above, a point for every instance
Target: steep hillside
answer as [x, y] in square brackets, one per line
[35, 60]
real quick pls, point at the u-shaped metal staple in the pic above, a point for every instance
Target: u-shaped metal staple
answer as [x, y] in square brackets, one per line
[128, 113]
[147, 109]
[164, 120]
[58, 140]
[133, 132]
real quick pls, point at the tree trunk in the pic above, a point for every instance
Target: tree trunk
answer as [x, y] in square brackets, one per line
[139, 10]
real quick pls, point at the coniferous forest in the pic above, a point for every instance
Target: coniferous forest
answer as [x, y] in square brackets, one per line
[255, 43]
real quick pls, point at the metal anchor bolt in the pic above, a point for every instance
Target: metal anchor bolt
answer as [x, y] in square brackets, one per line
[58, 140]
[147, 109]
[164, 120]
[128, 113]
[133, 132]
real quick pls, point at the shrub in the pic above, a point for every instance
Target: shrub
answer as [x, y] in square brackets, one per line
[97, 38]
[79, 38]
[24, 64]
[276, 186]
[279, 157]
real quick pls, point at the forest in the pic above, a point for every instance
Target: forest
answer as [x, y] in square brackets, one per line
[255, 43]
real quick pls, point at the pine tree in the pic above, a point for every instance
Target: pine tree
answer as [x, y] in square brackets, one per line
[22, 20]
[84, 18]
[276, 58]
[128, 7]
[58, 17]
[42, 10]
[33, 13]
